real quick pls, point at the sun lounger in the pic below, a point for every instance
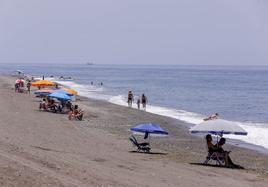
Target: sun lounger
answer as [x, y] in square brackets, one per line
[140, 146]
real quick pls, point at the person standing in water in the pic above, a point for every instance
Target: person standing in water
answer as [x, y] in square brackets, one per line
[130, 98]
[138, 103]
[144, 101]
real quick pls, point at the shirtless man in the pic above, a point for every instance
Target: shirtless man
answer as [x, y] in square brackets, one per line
[212, 117]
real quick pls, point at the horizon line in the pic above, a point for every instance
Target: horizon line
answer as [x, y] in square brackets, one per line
[94, 64]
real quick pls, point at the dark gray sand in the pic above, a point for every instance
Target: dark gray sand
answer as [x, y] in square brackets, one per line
[46, 149]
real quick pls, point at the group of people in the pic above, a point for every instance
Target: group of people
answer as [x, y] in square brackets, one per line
[49, 104]
[100, 83]
[19, 86]
[65, 107]
[222, 154]
[140, 101]
[75, 113]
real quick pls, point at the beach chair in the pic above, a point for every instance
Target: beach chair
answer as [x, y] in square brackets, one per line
[216, 158]
[140, 146]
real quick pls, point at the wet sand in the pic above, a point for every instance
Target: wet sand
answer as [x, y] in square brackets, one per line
[46, 149]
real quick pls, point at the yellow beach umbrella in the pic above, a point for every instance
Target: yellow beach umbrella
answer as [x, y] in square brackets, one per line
[71, 91]
[43, 83]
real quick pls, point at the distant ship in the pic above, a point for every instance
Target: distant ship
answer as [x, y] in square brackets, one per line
[89, 63]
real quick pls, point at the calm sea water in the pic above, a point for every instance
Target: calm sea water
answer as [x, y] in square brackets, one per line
[188, 93]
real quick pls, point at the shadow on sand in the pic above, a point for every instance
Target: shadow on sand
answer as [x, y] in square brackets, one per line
[150, 153]
[215, 166]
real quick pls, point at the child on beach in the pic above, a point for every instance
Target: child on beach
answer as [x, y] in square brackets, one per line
[138, 103]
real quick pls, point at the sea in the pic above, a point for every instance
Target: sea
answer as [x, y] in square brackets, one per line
[188, 93]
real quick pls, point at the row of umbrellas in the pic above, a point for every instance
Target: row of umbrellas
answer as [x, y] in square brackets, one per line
[217, 127]
[38, 83]
[61, 94]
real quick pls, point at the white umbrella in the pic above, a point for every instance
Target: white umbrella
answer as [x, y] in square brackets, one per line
[218, 127]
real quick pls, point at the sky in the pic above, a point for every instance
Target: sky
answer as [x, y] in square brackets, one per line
[183, 32]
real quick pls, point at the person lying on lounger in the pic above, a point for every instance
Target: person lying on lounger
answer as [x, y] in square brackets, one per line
[212, 117]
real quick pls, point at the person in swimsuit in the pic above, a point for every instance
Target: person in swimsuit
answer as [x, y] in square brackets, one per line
[212, 117]
[144, 101]
[210, 145]
[138, 103]
[130, 98]
[29, 87]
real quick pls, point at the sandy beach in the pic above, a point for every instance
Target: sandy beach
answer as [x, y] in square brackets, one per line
[46, 149]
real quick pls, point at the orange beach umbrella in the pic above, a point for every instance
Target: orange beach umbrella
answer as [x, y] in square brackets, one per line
[43, 83]
[71, 91]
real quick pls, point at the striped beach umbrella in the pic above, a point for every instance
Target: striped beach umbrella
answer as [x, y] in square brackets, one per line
[218, 127]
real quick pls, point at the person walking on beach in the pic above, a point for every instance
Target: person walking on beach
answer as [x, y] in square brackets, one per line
[29, 87]
[130, 98]
[144, 101]
[17, 87]
[138, 103]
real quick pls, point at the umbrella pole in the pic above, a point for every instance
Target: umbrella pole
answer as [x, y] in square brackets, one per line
[217, 140]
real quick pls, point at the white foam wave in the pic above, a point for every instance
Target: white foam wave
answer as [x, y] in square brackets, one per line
[182, 115]
[257, 133]
[89, 91]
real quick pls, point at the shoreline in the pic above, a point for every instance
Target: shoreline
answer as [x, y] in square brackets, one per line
[97, 152]
[234, 142]
[175, 125]
[169, 112]
[187, 125]
[193, 118]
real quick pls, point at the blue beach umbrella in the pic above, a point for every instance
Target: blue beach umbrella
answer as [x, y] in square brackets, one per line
[64, 92]
[43, 92]
[150, 128]
[60, 95]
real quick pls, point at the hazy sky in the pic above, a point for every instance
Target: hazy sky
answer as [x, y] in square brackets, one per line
[219, 32]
